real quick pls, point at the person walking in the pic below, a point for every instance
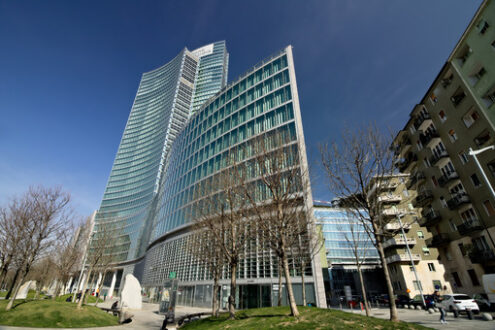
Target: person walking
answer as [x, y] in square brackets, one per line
[438, 304]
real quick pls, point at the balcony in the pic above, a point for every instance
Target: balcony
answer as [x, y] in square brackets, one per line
[437, 156]
[394, 226]
[415, 178]
[469, 226]
[428, 137]
[446, 178]
[403, 163]
[399, 241]
[438, 240]
[402, 257]
[479, 256]
[422, 122]
[458, 200]
[423, 198]
[430, 218]
[389, 199]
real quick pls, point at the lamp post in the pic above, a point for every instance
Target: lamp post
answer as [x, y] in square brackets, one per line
[410, 257]
[474, 153]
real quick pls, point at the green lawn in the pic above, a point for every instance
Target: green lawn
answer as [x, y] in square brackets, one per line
[54, 314]
[30, 294]
[311, 318]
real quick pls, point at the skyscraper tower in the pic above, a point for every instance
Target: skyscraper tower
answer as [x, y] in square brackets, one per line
[161, 108]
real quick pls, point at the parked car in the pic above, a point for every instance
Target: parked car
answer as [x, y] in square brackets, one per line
[483, 302]
[429, 300]
[459, 302]
[402, 300]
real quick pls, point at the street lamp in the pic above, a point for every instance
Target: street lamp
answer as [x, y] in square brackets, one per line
[410, 255]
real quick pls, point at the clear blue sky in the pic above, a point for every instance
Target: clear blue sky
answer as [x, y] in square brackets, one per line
[69, 71]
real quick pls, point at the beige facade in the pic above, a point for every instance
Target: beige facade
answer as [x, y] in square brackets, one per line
[398, 201]
[456, 114]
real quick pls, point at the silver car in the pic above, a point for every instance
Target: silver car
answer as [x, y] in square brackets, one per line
[459, 302]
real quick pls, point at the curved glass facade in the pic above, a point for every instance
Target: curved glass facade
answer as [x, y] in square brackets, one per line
[161, 109]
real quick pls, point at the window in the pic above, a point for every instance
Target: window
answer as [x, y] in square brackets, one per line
[442, 115]
[463, 156]
[412, 129]
[476, 181]
[468, 215]
[483, 138]
[464, 54]
[421, 235]
[489, 97]
[473, 277]
[405, 193]
[434, 181]
[452, 136]
[426, 251]
[431, 266]
[452, 225]
[437, 285]
[457, 280]
[491, 167]
[457, 97]
[433, 98]
[448, 255]
[470, 118]
[462, 248]
[417, 285]
[426, 162]
[481, 244]
[493, 44]
[419, 145]
[443, 202]
[489, 209]
[482, 26]
[476, 75]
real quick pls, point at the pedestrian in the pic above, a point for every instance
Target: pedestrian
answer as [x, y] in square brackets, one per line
[105, 296]
[438, 304]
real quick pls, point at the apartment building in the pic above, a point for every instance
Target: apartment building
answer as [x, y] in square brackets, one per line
[396, 200]
[457, 114]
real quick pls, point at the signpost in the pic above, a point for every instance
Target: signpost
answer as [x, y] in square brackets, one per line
[169, 297]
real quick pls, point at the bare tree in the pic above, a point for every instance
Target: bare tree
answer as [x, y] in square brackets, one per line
[276, 197]
[102, 250]
[209, 255]
[42, 214]
[308, 247]
[359, 241]
[43, 273]
[221, 212]
[363, 157]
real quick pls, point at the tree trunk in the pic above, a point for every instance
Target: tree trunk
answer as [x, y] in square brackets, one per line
[17, 287]
[303, 266]
[393, 309]
[216, 288]
[366, 307]
[233, 269]
[14, 281]
[4, 271]
[83, 291]
[100, 286]
[288, 284]
[279, 303]
[57, 289]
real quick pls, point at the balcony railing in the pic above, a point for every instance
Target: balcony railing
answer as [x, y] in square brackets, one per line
[416, 177]
[402, 257]
[423, 198]
[426, 138]
[394, 225]
[479, 256]
[446, 178]
[438, 240]
[469, 226]
[403, 163]
[436, 157]
[458, 200]
[387, 199]
[399, 241]
[430, 218]
[421, 119]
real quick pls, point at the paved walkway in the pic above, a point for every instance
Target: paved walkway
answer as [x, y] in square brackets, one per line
[432, 320]
[145, 319]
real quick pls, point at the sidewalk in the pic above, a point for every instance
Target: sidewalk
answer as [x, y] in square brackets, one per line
[422, 317]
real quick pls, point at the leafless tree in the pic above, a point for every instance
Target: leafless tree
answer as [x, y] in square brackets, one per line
[220, 211]
[276, 197]
[359, 241]
[308, 247]
[102, 250]
[42, 215]
[43, 272]
[10, 237]
[364, 156]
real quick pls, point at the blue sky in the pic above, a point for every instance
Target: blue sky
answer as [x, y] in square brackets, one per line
[69, 71]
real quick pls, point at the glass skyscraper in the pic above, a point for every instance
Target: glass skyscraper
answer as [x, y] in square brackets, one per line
[212, 120]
